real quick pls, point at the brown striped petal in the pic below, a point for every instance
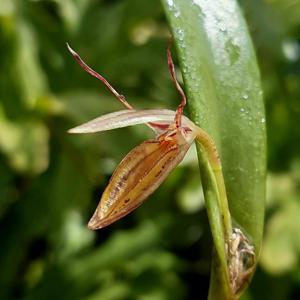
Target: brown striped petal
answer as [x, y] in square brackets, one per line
[138, 175]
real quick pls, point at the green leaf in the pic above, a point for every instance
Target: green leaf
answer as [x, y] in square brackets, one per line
[25, 144]
[282, 243]
[222, 83]
[29, 74]
[281, 240]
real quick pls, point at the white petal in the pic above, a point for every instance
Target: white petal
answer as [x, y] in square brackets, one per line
[126, 118]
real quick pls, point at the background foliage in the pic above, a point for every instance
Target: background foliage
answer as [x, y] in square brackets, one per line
[50, 182]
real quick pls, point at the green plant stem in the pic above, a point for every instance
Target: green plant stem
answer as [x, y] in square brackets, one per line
[216, 167]
[219, 286]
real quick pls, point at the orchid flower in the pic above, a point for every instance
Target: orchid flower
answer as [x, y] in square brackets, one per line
[145, 167]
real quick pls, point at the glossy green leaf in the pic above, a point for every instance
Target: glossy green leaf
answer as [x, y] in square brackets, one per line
[222, 83]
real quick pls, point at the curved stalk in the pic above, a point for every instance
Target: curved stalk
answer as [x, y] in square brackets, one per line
[216, 167]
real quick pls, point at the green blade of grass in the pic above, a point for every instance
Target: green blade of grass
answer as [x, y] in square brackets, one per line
[222, 83]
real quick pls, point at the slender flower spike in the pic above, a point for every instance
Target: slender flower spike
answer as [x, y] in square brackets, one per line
[145, 167]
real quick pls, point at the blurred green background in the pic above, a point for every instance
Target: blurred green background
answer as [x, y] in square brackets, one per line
[50, 182]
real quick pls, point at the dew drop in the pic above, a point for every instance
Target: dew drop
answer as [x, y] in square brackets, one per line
[222, 28]
[170, 2]
[180, 34]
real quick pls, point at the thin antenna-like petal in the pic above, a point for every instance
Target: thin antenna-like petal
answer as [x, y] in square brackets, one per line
[180, 107]
[92, 72]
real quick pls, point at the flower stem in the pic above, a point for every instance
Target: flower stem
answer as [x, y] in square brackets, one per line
[215, 164]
